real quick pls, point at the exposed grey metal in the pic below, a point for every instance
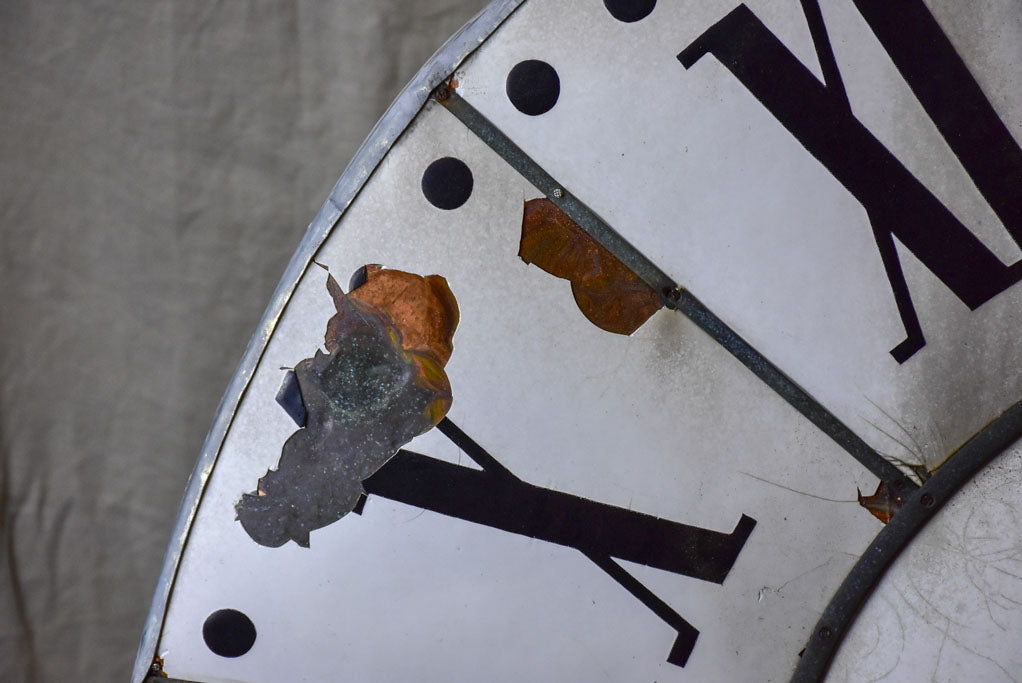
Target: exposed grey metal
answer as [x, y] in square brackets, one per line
[390, 126]
[672, 295]
[920, 507]
[351, 438]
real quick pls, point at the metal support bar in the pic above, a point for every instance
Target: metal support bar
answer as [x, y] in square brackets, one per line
[672, 295]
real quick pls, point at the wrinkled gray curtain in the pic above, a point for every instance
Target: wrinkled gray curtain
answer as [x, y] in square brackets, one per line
[159, 162]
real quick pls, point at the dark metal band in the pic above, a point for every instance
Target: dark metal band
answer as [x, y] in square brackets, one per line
[920, 507]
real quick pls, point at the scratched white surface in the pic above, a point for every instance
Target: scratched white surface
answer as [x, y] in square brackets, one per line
[663, 422]
[697, 174]
[950, 608]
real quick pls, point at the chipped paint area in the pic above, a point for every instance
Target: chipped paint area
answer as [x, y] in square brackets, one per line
[380, 383]
[611, 296]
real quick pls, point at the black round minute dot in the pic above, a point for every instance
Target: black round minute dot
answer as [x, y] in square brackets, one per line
[533, 87]
[629, 10]
[447, 183]
[228, 633]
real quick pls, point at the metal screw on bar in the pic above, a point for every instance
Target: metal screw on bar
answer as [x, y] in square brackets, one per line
[927, 500]
[826, 633]
[557, 193]
[442, 93]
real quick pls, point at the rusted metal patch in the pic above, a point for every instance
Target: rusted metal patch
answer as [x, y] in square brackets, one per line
[380, 384]
[156, 668]
[888, 499]
[882, 504]
[422, 308]
[607, 292]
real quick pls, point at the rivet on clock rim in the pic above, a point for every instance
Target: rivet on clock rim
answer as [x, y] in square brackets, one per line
[672, 294]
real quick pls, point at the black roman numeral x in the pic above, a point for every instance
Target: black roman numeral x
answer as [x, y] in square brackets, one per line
[497, 498]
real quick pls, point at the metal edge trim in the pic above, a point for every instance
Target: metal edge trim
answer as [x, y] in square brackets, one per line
[919, 508]
[383, 135]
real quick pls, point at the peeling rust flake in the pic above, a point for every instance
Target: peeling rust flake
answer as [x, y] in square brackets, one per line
[610, 295]
[380, 384]
[882, 504]
[422, 308]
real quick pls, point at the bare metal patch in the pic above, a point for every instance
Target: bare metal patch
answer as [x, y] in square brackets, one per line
[380, 384]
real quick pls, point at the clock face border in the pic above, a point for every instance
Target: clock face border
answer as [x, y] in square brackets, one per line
[921, 503]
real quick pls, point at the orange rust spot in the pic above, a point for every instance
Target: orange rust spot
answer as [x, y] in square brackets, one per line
[610, 295]
[156, 668]
[882, 504]
[423, 309]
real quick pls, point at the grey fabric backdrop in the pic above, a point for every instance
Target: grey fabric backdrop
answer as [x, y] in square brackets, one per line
[159, 162]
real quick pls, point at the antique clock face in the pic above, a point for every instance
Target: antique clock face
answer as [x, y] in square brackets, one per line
[734, 304]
